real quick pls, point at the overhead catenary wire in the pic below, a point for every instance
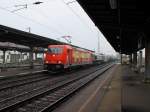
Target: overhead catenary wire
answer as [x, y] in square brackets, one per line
[42, 13]
[68, 6]
[23, 4]
[31, 20]
[26, 5]
[45, 16]
[70, 2]
[75, 13]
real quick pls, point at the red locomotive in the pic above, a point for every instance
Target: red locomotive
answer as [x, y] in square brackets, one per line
[59, 57]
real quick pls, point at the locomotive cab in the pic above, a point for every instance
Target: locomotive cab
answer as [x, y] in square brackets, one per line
[57, 57]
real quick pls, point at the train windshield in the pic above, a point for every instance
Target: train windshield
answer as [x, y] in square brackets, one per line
[55, 50]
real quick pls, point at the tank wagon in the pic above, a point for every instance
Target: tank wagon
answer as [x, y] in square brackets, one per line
[60, 57]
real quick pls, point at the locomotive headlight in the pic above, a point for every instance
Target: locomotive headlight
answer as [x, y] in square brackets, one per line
[46, 62]
[59, 62]
[54, 55]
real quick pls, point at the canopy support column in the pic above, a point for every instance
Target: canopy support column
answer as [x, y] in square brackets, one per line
[147, 59]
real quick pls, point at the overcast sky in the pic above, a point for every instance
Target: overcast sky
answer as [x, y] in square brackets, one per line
[54, 19]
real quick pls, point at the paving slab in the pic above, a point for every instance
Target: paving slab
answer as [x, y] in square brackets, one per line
[111, 101]
[135, 93]
[127, 92]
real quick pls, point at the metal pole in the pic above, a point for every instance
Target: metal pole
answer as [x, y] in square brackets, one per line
[121, 59]
[4, 62]
[135, 61]
[147, 59]
[130, 59]
[140, 61]
[29, 29]
[98, 44]
[31, 58]
[4, 56]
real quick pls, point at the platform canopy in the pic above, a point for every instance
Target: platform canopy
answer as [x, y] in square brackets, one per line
[19, 37]
[12, 46]
[8, 34]
[124, 23]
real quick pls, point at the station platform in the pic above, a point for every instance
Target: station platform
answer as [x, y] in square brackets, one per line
[127, 92]
[124, 92]
[111, 101]
[20, 71]
[135, 93]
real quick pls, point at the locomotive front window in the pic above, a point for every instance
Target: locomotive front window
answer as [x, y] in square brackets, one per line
[55, 50]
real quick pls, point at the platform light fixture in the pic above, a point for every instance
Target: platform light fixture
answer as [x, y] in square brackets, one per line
[117, 37]
[113, 4]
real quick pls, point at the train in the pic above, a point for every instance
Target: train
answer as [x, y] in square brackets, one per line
[60, 57]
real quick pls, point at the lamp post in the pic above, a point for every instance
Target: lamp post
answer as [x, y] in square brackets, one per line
[98, 36]
[98, 49]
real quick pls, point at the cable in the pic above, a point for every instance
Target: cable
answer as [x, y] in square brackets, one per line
[78, 16]
[70, 2]
[29, 19]
[41, 12]
[67, 4]
[45, 16]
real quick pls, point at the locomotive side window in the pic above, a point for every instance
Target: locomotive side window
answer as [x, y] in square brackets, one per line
[55, 50]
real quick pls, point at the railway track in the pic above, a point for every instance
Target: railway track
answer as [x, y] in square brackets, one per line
[8, 92]
[46, 97]
[15, 81]
[20, 79]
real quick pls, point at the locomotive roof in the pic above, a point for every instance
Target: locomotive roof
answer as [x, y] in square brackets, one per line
[80, 48]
